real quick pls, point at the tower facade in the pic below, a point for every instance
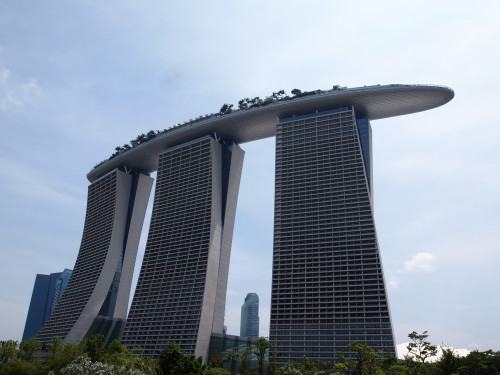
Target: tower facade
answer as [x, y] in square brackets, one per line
[47, 292]
[249, 324]
[328, 287]
[96, 298]
[181, 291]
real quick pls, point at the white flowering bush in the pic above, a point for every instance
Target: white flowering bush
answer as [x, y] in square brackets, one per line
[84, 366]
[289, 370]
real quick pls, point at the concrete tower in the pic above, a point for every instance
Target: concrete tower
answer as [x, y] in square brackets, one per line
[181, 292]
[328, 286]
[97, 295]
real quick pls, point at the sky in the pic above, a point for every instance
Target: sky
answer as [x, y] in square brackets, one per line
[78, 78]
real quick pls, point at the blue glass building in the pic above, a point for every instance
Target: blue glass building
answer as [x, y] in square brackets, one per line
[47, 291]
[249, 326]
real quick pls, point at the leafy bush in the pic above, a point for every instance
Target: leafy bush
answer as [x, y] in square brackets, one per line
[216, 371]
[19, 367]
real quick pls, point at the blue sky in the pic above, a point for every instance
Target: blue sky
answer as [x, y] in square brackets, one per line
[79, 78]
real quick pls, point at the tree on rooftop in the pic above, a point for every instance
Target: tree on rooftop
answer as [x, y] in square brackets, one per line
[243, 103]
[279, 95]
[255, 102]
[226, 109]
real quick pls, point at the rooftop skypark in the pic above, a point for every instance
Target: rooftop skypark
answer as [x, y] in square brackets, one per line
[255, 118]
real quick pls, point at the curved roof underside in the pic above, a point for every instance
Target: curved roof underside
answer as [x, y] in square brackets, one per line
[372, 102]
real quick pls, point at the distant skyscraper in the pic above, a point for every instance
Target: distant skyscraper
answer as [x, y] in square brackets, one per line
[47, 291]
[250, 317]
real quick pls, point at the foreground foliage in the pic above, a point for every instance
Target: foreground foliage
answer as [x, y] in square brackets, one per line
[91, 356]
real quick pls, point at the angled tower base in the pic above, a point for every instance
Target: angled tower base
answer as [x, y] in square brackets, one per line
[97, 295]
[181, 291]
[328, 286]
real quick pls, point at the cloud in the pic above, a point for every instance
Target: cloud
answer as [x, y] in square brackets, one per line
[393, 284]
[14, 94]
[27, 182]
[421, 262]
[403, 352]
[13, 312]
[492, 306]
[30, 88]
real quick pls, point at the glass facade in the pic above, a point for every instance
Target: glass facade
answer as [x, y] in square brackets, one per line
[47, 292]
[222, 346]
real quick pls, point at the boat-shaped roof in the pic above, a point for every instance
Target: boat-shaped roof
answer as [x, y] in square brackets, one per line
[372, 102]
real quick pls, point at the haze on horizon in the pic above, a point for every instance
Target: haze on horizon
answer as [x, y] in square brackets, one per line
[79, 79]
